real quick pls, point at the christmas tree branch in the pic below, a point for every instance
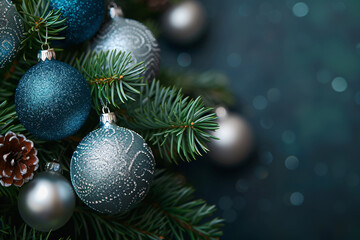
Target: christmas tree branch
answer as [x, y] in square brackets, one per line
[168, 212]
[211, 86]
[39, 20]
[112, 76]
[8, 119]
[177, 126]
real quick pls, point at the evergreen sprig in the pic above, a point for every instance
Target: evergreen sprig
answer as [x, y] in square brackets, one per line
[211, 86]
[9, 231]
[8, 119]
[112, 75]
[168, 212]
[178, 126]
[38, 18]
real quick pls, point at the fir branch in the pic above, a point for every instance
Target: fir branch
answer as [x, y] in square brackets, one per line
[211, 86]
[38, 17]
[112, 76]
[177, 126]
[168, 212]
[9, 231]
[8, 119]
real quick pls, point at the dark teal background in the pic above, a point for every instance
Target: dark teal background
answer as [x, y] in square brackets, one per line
[282, 69]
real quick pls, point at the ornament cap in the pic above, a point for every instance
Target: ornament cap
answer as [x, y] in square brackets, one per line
[48, 54]
[115, 11]
[107, 118]
[53, 167]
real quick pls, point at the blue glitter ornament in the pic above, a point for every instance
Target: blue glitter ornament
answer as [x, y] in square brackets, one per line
[52, 99]
[10, 32]
[83, 18]
[112, 168]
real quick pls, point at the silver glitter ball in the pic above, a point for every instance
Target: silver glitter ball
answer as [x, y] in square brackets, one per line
[112, 168]
[236, 139]
[11, 29]
[130, 36]
[48, 201]
[185, 22]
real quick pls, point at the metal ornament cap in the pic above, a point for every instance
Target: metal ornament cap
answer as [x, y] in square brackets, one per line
[48, 54]
[53, 166]
[107, 118]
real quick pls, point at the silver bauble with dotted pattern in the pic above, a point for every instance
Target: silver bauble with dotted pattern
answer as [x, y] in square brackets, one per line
[112, 168]
[128, 35]
[11, 29]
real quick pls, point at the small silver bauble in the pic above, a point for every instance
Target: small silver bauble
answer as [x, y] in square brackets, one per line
[48, 201]
[128, 35]
[185, 22]
[112, 168]
[235, 139]
[11, 29]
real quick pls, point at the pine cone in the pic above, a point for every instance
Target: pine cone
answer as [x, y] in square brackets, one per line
[18, 159]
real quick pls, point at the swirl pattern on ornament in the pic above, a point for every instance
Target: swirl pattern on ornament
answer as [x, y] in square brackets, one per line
[112, 169]
[130, 36]
[10, 32]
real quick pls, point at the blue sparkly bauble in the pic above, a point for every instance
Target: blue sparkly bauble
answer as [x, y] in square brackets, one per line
[52, 100]
[10, 32]
[83, 18]
[112, 168]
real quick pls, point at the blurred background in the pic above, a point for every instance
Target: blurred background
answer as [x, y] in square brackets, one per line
[294, 69]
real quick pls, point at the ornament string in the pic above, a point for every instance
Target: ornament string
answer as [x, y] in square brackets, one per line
[46, 38]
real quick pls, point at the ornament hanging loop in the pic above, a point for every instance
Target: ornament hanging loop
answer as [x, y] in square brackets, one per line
[105, 110]
[46, 38]
[115, 10]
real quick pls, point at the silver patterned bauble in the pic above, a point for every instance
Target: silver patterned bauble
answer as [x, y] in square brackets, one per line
[185, 22]
[11, 29]
[236, 139]
[48, 201]
[128, 35]
[112, 168]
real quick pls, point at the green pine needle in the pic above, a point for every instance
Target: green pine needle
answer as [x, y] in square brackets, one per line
[112, 76]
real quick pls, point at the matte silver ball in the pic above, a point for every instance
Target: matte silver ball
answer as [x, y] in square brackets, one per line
[112, 169]
[236, 139]
[185, 22]
[47, 202]
[130, 36]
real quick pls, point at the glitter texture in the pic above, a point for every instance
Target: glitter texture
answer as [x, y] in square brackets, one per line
[52, 100]
[10, 32]
[112, 169]
[83, 18]
[130, 36]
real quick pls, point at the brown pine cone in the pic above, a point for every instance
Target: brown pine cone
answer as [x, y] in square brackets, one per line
[18, 159]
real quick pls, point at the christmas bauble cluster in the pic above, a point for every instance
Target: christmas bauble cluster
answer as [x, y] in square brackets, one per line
[113, 167]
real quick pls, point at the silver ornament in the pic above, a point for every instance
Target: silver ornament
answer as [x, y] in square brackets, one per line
[112, 168]
[185, 22]
[48, 201]
[11, 29]
[235, 139]
[129, 36]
